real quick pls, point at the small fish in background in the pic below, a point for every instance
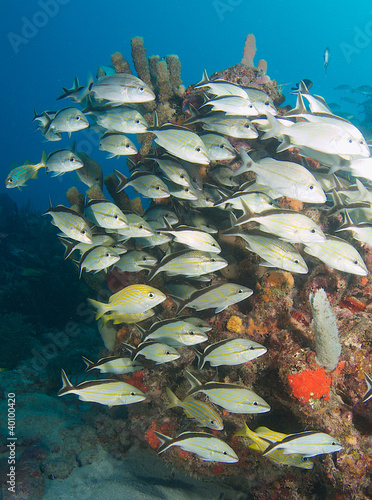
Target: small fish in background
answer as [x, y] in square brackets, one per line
[206, 446]
[309, 444]
[326, 56]
[109, 392]
[153, 351]
[113, 364]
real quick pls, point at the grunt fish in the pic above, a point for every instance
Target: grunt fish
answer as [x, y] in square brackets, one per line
[309, 444]
[154, 351]
[230, 352]
[113, 364]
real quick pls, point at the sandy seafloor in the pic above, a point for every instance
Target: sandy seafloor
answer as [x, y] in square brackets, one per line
[140, 476]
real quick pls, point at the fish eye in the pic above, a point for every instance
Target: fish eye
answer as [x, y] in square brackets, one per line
[151, 295]
[356, 262]
[167, 352]
[222, 146]
[140, 226]
[350, 141]
[251, 348]
[192, 333]
[83, 231]
[225, 452]
[211, 422]
[361, 142]
[144, 258]
[72, 159]
[141, 89]
[78, 117]
[197, 150]
[182, 176]
[296, 261]
[213, 260]
[157, 188]
[137, 121]
[107, 255]
[311, 187]
[255, 403]
[132, 393]
[240, 291]
[312, 231]
[10, 179]
[214, 245]
[127, 146]
[116, 217]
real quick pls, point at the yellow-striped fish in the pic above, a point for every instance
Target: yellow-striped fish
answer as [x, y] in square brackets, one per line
[192, 237]
[133, 299]
[338, 254]
[204, 415]
[189, 263]
[181, 142]
[118, 318]
[113, 364]
[154, 351]
[309, 444]
[206, 446]
[105, 214]
[19, 175]
[230, 352]
[98, 259]
[72, 224]
[262, 437]
[231, 397]
[216, 296]
[109, 392]
[176, 333]
[135, 261]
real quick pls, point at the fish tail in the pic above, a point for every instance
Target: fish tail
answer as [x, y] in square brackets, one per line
[131, 349]
[122, 180]
[201, 359]
[245, 432]
[247, 162]
[48, 122]
[43, 159]
[89, 363]
[66, 384]
[194, 382]
[174, 401]
[165, 441]
[100, 306]
[275, 127]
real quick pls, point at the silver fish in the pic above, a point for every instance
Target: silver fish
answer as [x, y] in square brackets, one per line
[223, 175]
[113, 364]
[218, 147]
[61, 161]
[239, 127]
[119, 119]
[193, 238]
[154, 351]
[98, 259]
[231, 105]
[220, 87]
[173, 170]
[176, 333]
[204, 415]
[66, 120]
[309, 444]
[181, 142]
[149, 185]
[216, 296]
[72, 224]
[137, 228]
[231, 397]
[107, 392]
[338, 254]
[206, 446]
[91, 172]
[189, 263]
[117, 144]
[285, 178]
[157, 214]
[230, 352]
[122, 88]
[181, 192]
[135, 261]
[105, 214]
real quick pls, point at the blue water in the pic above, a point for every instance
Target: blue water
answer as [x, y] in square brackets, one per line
[42, 52]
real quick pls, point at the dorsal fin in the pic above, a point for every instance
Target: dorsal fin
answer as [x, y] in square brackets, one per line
[66, 384]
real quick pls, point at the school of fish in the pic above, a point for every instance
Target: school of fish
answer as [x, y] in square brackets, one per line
[191, 218]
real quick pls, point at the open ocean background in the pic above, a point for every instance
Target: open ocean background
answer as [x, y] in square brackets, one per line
[76, 37]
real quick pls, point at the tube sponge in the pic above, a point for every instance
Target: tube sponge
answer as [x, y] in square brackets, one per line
[327, 345]
[120, 64]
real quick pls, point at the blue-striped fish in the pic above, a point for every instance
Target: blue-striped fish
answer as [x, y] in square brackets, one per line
[109, 392]
[230, 352]
[72, 224]
[204, 415]
[133, 299]
[192, 237]
[216, 296]
[154, 351]
[117, 144]
[338, 254]
[113, 364]
[122, 88]
[181, 142]
[176, 333]
[309, 444]
[262, 437]
[19, 175]
[189, 263]
[231, 397]
[206, 446]
[135, 261]
[105, 214]
[147, 184]
[98, 259]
